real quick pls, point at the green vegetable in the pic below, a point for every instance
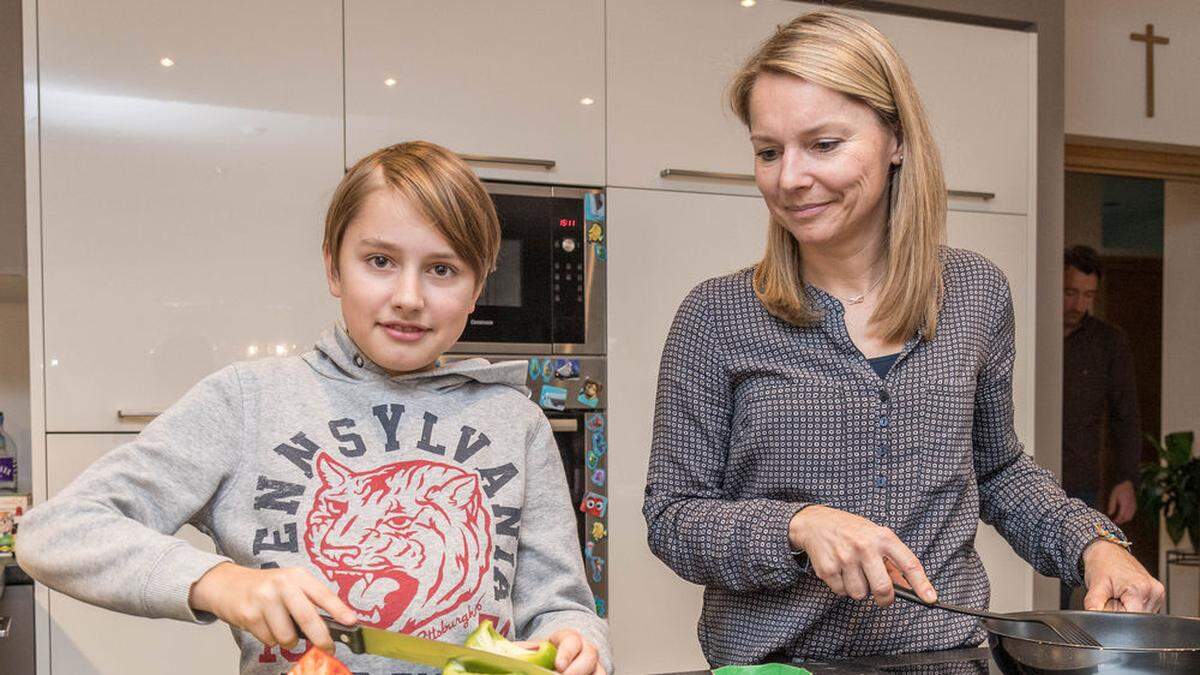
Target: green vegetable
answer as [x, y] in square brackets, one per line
[485, 638]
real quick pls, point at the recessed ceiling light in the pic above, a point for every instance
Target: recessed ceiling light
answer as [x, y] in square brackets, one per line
[587, 100]
[166, 62]
[749, 3]
[390, 82]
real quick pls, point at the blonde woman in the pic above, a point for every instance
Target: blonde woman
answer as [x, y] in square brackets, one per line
[839, 416]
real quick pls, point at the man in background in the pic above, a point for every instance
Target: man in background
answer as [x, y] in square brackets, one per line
[1099, 396]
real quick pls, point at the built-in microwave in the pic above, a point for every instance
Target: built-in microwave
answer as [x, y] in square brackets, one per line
[546, 294]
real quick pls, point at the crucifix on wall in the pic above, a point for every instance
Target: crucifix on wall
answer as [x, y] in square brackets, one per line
[1150, 39]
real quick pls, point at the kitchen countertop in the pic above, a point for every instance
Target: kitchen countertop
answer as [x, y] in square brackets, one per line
[965, 661]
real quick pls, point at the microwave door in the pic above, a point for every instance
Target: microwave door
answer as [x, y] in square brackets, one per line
[514, 307]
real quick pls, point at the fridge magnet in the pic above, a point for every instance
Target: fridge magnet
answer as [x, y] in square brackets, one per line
[589, 393]
[595, 422]
[598, 531]
[553, 398]
[535, 369]
[600, 251]
[594, 504]
[7, 529]
[588, 549]
[595, 233]
[547, 370]
[592, 459]
[597, 569]
[599, 442]
[598, 477]
[601, 607]
[593, 206]
[566, 369]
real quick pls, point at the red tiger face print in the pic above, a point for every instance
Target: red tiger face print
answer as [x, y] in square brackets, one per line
[405, 543]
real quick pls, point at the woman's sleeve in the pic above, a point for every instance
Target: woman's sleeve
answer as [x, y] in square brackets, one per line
[1020, 499]
[705, 535]
[107, 538]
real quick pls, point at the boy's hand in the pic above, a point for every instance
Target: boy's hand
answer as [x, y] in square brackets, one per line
[270, 603]
[576, 656]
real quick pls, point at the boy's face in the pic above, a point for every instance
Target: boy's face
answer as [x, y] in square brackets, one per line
[405, 293]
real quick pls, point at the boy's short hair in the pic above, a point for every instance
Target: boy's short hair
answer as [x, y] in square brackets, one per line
[438, 184]
[1085, 259]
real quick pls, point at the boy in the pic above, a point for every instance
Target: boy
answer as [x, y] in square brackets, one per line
[359, 479]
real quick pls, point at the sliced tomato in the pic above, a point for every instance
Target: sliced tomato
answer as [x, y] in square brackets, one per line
[317, 662]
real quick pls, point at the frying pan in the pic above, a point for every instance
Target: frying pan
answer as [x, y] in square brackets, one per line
[1134, 643]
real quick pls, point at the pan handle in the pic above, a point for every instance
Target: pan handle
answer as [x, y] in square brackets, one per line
[906, 594]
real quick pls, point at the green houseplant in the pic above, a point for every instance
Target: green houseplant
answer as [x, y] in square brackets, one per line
[1171, 486]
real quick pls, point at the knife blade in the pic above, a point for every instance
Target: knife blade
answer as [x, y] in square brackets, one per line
[367, 640]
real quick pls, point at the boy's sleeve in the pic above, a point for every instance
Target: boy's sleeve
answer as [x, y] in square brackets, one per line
[106, 539]
[550, 590]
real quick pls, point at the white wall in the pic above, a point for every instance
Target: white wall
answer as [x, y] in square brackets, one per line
[1181, 370]
[1106, 71]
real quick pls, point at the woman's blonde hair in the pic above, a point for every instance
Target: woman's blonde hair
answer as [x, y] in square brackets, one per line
[438, 184]
[851, 56]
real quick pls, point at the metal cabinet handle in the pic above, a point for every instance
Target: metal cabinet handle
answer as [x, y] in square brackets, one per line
[564, 425]
[970, 194]
[523, 161]
[138, 414]
[5, 624]
[688, 173]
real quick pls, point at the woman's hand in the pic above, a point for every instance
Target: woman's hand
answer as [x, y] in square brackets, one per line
[851, 554]
[270, 603]
[576, 656]
[1116, 581]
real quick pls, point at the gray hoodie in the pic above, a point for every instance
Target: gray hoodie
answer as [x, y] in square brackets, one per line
[428, 501]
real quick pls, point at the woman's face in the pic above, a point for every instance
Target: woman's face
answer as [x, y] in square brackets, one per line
[821, 160]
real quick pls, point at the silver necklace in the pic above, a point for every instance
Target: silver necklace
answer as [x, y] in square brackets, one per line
[858, 299]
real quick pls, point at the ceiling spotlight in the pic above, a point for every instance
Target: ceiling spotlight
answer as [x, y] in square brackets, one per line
[587, 100]
[749, 3]
[166, 62]
[390, 82]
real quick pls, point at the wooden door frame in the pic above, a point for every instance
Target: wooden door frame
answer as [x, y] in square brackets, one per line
[1114, 157]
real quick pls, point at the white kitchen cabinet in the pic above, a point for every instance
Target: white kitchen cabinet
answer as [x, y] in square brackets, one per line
[670, 63]
[522, 81]
[660, 245]
[88, 640]
[188, 152]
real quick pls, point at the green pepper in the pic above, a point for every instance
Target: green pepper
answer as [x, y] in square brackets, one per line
[486, 638]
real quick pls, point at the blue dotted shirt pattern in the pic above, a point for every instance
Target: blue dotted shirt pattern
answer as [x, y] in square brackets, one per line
[756, 418]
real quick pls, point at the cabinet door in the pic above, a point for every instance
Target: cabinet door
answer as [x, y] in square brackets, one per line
[523, 81]
[661, 244]
[88, 640]
[182, 204]
[670, 63]
[981, 107]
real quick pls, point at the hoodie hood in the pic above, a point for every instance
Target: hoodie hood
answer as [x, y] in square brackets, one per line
[337, 357]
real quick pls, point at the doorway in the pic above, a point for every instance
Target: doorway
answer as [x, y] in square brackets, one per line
[1149, 194]
[1121, 218]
